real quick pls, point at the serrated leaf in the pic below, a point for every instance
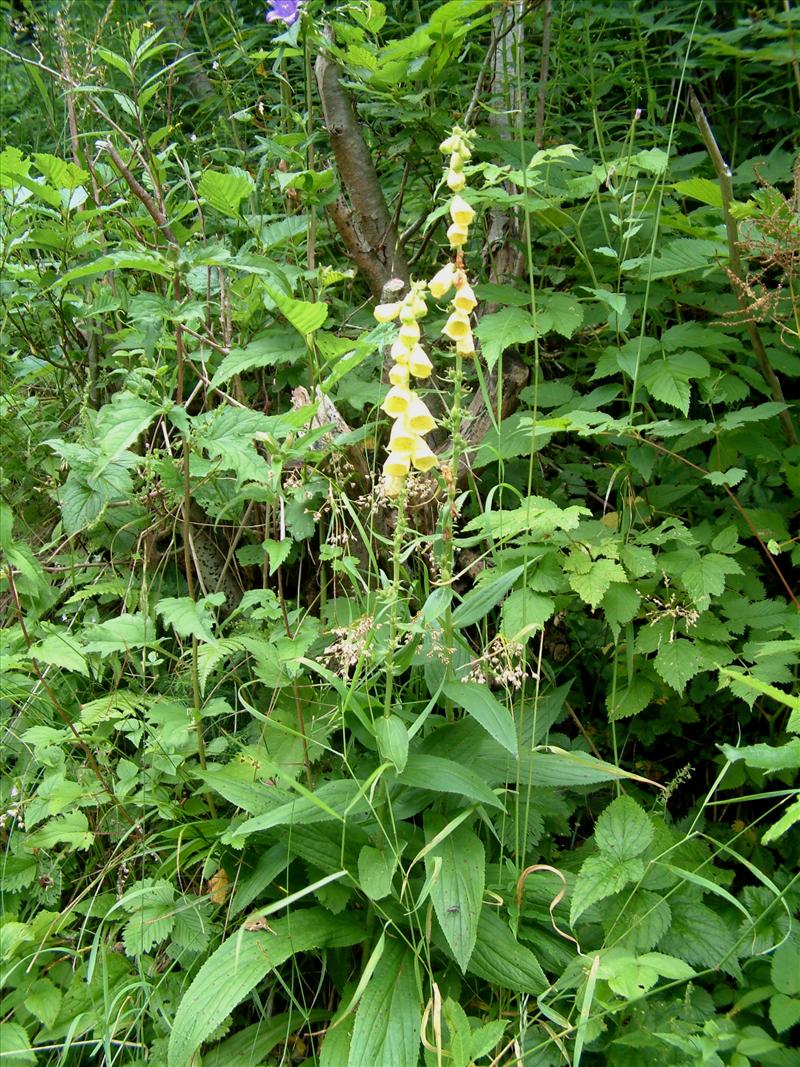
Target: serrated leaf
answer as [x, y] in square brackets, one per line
[456, 868]
[478, 701]
[445, 776]
[524, 613]
[700, 936]
[332, 801]
[599, 877]
[43, 1001]
[629, 700]
[500, 330]
[387, 1024]
[785, 967]
[273, 348]
[15, 1045]
[486, 595]
[682, 255]
[125, 632]
[71, 830]
[225, 191]
[784, 1012]
[668, 379]
[500, 959]
[151, 907]
[768, 758]
[732, 476]
[303, 315]
[591, 578]
[565, 312]
[61, 650]
[190, 618]
[677, 662]
[623, 830]
[704, 577]
[703, 189]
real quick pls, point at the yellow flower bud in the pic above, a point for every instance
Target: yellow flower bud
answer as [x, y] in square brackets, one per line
[419, 307]
[419, 419]
[450, 144]
[409, 332]
[456, 162]
[398, 375]
[402, 438]
[466, 345]
[455, 180]
[397, 464]
[461, 212]
[398, 401]
[442, 281]
[392, 486]
[464, 300]
[457, 235]
[407, 313]
[457, 326]
[421, 455]
[386, 312]
[418, 362]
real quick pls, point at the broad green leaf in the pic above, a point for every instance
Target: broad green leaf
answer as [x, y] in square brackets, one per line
[591, 579]
[789, 819]
[623, 830]
[225, 191]
[252, 1046]
[700, 936]
[705, 576]
[240, 963]
[190, 618]
[445, 776]
[703, 189]
[303, 315]
[61, 650]
[152, 909]
[376, 869]
[119, 424]
[71, 830]
[682, 255]
[668, 379]
[536, 517]
[784, 1012]
[273, 348]
[392, 737]
[486, 595]
[565, 312]
[43, 1001]
[732, 476]
[333, 800]
[524, 613]
[599, 877]
[242, 785]
[768, 758]
[15, 1045]
[456, 868]
[500, 959]
[629, 700]
[785, 967]
[479, 702]
[501, 329]
[677, 662]
[387, 1024]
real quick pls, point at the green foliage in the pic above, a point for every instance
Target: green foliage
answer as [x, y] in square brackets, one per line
[509, 775]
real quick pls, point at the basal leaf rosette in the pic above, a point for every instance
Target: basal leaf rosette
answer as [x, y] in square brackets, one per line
[412, 419]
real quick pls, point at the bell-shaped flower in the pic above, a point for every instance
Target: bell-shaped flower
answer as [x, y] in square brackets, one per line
[457, 235]
[464, 300]
[460, 211]
[397, 402]
[465, 346]
[421, 455]
[387, 312]
[410, 333]
[442, 281]
[402, 437]
[455, 180]
[457, 326]
[397, 464]
[398, 375]
[400, 350]
[392, 486]
[418, 362]
[418, 418]
[418, 306]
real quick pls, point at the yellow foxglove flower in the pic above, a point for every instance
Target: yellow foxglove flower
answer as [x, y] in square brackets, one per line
[419, 307]
[407, 314]
[397, 402]
[400, 350]
[461, 212]
[402, 438]
[392, 486]
[386, 312]
[421, 456]
[410, 333]
[442, 281]
[419, 419]
[457, 235]
[455, 180]
[465, 346]
[397, 464]
[464, 300]
[418, 362]
[398, 375]
[457, 326]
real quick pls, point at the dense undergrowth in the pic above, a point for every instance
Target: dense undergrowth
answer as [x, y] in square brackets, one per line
[494, 763]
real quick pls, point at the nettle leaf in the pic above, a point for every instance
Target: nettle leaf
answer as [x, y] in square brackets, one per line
[705, 576]
[677, 662]
[240, 963]
[303, 315]
[190, 618]
[119, 424]
[71, 830]
[271, 349]
[225, 191]
[565, 313]
[669, 379]
[501, 329]
[590, 578]
[600, 877]
[456, 868]
[768, 758]
[524, 613]
[623, 830]
[478, 701]
[387, 1023]
[122, 634]
[151, 905]
[536, 517]
[700, 936]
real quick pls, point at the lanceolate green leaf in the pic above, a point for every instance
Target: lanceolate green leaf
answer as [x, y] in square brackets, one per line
[386, 1030]
[456, 867]
[445, 776]
[478, 701]
[485, 596]
[500, 959]
[240, 963]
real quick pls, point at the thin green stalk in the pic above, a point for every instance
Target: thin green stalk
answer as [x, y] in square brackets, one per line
[397, 549]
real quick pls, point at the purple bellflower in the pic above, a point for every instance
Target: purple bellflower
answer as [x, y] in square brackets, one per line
[287, 11]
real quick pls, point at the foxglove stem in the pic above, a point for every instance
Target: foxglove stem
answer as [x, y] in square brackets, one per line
[397, 551]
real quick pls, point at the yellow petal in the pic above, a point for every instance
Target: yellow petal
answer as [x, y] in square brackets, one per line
[418, 363]
[400, 350]
[402, 437]
[465, 346]
[398, 401]
[457, 326]
[457, 235]
[455, 180]
[419, 307]
[397, 464]
[409, 332]
[461, 212]
[442, 281]
[422, 457]
[386, 312]
[398, 375]
[464, 300]
[392, 486]
[419, 419]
